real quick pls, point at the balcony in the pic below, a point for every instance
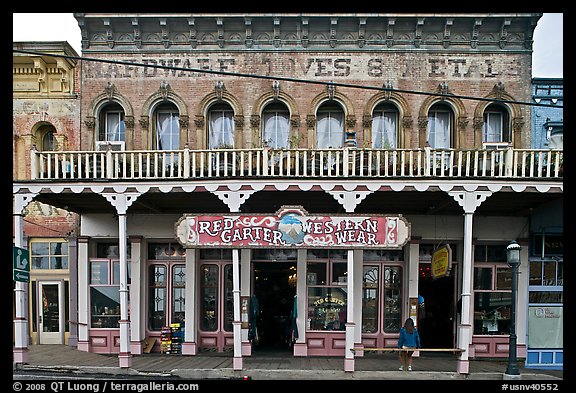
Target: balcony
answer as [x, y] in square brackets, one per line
[109, 165]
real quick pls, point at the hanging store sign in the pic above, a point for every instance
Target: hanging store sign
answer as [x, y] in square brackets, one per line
[442, 262]
[291, 226]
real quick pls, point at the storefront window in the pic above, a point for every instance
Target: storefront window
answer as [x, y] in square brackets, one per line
[209, 298]
[178, 293]
[157, 283]
[370, 299]
[326, 308]
[492, 290]
[326, 280]
[104, 297]
[546, 292]
[392, 299]
[229, 299]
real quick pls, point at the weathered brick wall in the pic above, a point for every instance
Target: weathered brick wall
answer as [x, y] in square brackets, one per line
[465, 73]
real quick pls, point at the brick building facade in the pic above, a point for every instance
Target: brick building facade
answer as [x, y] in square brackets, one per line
[415, 117]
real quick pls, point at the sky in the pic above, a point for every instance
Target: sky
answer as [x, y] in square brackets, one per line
[547, 58]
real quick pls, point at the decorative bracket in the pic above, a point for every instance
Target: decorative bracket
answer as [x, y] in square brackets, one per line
[121, 201]
[470, 200]
[234, 199]
[349, 199]
[22, 200]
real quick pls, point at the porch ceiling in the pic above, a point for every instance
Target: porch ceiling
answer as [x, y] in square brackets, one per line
[381, 202]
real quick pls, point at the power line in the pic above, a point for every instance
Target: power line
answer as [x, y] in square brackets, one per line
[286, 79]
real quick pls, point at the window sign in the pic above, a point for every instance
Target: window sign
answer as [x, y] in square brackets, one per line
[545, 327]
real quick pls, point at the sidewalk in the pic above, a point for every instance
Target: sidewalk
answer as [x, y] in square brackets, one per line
[272, 366]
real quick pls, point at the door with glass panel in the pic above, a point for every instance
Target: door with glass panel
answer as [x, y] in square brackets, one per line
[51, 312]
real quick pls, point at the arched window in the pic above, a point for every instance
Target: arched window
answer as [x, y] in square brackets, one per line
[275, 126]
[111, 124]
[166, 134]
[329, 126]
[46, 138]
[220, 127]
[385, 127]
[496, 128]
[439, 134]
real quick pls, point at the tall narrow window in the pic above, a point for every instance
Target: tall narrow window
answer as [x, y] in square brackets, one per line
[330, 127]
[385, 127]
[439, 126]
[167, 135]
[221, 127]
[48, 139]
[276, 124]
[112, 127]
[495, 128]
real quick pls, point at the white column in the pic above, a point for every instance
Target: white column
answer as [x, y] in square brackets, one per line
[236, 324]
[350, 325]
[20, 350]
[359, 270]
[465, 328]
[122, 201]
[245, 264]
[189, 346]
[469, 201]
[300, 347]
[83, 288]
[124, 357]
[137, 306]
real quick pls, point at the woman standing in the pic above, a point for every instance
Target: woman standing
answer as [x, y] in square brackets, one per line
[409, 338]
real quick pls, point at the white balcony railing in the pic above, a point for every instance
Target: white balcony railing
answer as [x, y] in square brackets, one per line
[300, 163]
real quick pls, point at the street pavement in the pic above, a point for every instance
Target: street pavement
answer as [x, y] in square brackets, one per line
[267, 366]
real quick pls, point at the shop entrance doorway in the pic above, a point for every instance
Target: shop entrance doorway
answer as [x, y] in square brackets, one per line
[436, 317]
[275, 288]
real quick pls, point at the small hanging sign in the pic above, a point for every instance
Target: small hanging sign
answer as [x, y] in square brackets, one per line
[442, 262]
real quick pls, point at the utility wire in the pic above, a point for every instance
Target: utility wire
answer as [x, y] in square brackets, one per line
[284, 78]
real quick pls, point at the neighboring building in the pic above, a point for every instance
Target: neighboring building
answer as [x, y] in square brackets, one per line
[547, 121]
[46, 117]
[546, 279]
[248, 209]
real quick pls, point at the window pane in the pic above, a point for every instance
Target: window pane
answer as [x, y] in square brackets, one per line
[115, 128]
[496, 253]
[535, 273]
[483, 278]
[178, 301]
[326, 308]
[439, 129]
[228, 299]
[492, 312]
[546, 297]
[370, 299]
[167, 131]
[40, 263]
[276, 129]
[105, 307]
[392, 299]
[156, 297]
[209, 298]
[384, 133]
[99, 272]
[339, 273]
[492, 130]
[549, 273]
[221, 129]
[503, 278]
[316, 273]
[330, 129]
